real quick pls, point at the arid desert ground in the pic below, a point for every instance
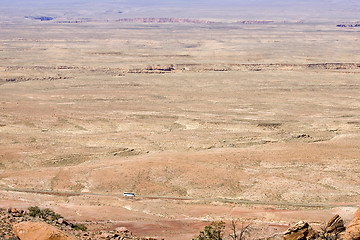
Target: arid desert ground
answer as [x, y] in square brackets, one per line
[254, 121]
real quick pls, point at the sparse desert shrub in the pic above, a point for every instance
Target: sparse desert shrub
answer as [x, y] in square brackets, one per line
[34, 211]
[12, 238]
[241, 232]
[44, 213]
[55, 217]
[77, 226]
[214, 231]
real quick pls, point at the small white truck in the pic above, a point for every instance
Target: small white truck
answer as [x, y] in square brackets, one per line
[129, 194]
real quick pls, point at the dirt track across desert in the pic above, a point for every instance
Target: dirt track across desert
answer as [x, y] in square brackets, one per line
[225, 200]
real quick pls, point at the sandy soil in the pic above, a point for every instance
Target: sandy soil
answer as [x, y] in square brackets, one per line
[84, 108]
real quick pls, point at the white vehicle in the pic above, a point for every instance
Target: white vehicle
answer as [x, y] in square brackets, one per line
[129, 194]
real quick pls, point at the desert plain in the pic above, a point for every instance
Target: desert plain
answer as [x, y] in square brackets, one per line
[203, 121]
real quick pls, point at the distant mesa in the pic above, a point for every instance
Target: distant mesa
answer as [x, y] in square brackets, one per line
[186, 20]
[157, 20]
[164, 20]
[255, 22]
[349, 25]
[41, 18]
[175, 20]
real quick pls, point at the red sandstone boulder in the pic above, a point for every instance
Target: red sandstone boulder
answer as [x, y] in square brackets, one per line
[14, 210]
[39, 231]
[353, 229]
[301, 231]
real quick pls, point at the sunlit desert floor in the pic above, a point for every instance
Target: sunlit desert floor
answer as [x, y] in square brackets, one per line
[203, 123]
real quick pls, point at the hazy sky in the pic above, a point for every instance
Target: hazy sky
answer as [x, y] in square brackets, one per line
[253, 9]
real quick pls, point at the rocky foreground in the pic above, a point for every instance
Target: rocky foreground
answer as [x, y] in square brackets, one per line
[335, 229]
[37, 224]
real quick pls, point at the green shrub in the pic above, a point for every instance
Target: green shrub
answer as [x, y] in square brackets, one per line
[44, 213]
[215, 231]
[34, 211]
[55, 217]
[77, 226]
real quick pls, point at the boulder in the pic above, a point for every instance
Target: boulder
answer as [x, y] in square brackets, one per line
[300, 231]
[39, 231]
[62, 221]
[335, 225]
[122, 229]
[14, 210]
[353, 229]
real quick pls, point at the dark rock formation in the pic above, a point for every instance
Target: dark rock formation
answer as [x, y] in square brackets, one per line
[348, 25]
[41, 18]
[335, 225]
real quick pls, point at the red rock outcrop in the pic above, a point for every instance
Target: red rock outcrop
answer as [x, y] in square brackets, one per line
[39, 231]
[353, 229]
[301, 231]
